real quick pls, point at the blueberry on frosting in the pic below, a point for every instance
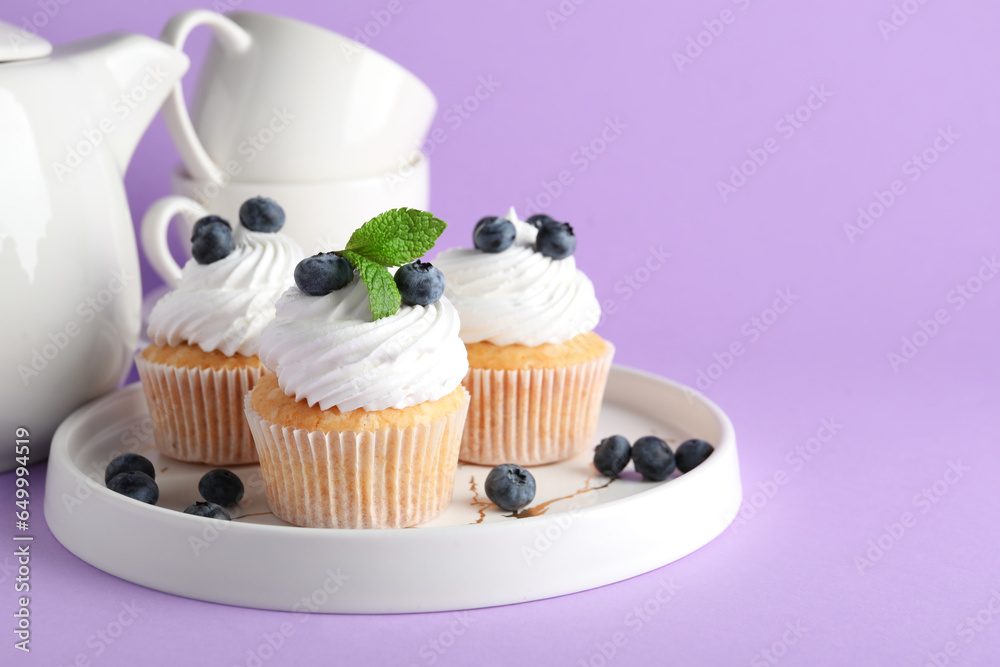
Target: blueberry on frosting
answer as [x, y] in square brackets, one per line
[540, 219]
[323, 273]
[261, 214]
[419, 283]
[206, 222]
[553, 239]
[211, 240]
[556, 240]
[493, 234]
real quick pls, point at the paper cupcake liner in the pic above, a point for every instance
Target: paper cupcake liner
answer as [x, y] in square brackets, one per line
[533, 416]
[385, 478]
[197, 413]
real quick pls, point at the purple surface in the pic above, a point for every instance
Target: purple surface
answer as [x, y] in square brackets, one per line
[802, 575]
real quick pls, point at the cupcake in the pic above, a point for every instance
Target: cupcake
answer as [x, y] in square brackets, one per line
[358, 420]
[537, 370]
[203, 357]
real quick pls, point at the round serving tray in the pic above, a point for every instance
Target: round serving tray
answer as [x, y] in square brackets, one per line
[581, 531]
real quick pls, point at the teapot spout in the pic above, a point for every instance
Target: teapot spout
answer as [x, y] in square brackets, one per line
[138, 74]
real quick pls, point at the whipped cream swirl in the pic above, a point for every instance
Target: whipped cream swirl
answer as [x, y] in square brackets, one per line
[518, 296]
[225, 305]
[329, 352]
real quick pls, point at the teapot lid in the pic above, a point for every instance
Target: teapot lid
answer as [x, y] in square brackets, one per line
[19, 44]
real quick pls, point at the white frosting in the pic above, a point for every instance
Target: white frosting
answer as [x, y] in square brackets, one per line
[225, 305]
[329, 352]
[518, 295]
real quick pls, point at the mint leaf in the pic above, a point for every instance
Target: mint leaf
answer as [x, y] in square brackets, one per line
[383, 295]
[396, 237]
[392, 238]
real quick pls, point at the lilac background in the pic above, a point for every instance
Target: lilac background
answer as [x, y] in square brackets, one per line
[794, 557]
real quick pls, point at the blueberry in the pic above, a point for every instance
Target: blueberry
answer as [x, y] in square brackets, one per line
[221, 486]
[323, 273]
[213, 242]
[556, 240]
[419, 283]
[135, 484]
[692, 453]
[510, 487]
[127, 463]
[493, 234]
[612, 455]
[211, 510]
[653, 458]
[539, 220]
[205, 222]
[261, 214]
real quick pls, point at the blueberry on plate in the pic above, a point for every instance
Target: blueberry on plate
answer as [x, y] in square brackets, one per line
[652, 458]
[212, 243]
[205, 222]
[261, 214]
[556, 240]
[539, 220]
[612, 455]
[419, 283]
[493, 234]
[137, 485]
[692, 453]
[221, 486]
[211, 510]
[323, 273]
[510, 487]
[128, 462]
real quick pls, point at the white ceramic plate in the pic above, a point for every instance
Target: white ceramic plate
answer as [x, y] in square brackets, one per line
[580, 532]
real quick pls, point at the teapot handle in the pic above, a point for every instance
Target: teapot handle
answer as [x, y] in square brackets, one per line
[153, 234]
[235, 40]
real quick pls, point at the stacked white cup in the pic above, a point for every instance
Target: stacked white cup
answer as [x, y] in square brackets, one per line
[283, 109]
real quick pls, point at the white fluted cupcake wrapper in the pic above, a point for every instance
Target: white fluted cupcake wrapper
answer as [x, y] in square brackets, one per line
[535, 416]
[198, 413]
[386, 478]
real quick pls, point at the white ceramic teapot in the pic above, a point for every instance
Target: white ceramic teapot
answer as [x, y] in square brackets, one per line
[70, 119]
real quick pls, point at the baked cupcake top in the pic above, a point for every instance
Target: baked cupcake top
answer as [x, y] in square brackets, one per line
[330, 351]
[351, 335]
[518, 295]
[227, 291]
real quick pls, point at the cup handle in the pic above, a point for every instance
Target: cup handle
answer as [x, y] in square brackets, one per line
[153, 233]
[234, 39]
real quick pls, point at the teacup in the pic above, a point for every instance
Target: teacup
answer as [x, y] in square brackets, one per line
[324, 106]
[319, 216]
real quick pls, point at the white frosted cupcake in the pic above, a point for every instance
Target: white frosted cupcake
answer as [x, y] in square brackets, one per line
[537, 370]
[205, 335]
[359, 420]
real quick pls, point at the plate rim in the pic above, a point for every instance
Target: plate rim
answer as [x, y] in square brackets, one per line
[726, 441]
[716, 484]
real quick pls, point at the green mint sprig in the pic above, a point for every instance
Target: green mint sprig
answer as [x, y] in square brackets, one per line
[392, 238]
